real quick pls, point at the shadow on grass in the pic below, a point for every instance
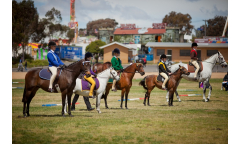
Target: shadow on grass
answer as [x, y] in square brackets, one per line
[58, 115]
[201, 100]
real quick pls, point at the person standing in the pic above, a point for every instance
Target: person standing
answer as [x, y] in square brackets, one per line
[54, 62]
[25, 65]
[193, 55]
[117, 65]
[163, 70]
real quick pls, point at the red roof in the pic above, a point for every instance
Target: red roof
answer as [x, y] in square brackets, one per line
[135, 31]
[155, 31]
[119, 31]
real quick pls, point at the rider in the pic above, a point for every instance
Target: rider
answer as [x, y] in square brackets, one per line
[194, 58]
[163, 70]
[54, 62]
[88, 57]
[116, 64]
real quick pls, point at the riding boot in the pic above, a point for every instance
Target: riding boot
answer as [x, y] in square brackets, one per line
[114, 86]
[74, 101]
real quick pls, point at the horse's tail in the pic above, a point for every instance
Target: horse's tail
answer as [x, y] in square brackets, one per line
[24, 93]
[142, 83]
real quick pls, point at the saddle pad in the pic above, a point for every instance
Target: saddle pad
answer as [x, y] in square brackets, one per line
[45, 74]
[192, 68]
[111, 80]
[85, 84]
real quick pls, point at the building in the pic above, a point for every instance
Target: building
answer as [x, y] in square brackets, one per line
[181, 51]
[125, 51]
[106, 35]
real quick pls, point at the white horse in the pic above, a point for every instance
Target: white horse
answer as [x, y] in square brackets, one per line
[205, 74]
[103, 78]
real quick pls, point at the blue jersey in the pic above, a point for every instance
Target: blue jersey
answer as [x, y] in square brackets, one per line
[53, 59]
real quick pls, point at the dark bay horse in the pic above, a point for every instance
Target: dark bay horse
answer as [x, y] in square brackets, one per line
[66, 82]
[125, 82]
[150, 82]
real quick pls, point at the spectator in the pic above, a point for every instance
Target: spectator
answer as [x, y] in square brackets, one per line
[144, 61]
[136, 58]
[25, 65]
[225, 82]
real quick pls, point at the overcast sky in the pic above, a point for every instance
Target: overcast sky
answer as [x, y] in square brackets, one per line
[141, 12]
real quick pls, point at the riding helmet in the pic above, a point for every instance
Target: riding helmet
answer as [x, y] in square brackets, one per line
[116, 50]
[163, 56]
[51, 43]
[194, 44]
[88, 54]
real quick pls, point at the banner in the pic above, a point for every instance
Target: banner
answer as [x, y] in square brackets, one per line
[159, 25]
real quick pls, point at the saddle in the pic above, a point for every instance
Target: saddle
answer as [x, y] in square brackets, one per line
[191, 67]
[46, 74]
[161, 79]
[87, 85]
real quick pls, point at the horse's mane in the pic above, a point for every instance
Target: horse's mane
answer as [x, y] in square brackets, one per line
[108, 63]
[73, 63]
[210, 57]
[128, 66]
[103, 71]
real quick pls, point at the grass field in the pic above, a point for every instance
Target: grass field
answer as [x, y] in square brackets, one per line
[189, 121]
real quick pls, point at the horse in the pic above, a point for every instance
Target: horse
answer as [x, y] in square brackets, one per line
[66, 82]
[125, 82]
[103, 78]
[205, 74]
[98, 67]
[150, 82]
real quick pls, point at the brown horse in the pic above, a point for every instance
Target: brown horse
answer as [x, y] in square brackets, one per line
[66, 82]
[98, 67]
[150, 81]
[125, 82]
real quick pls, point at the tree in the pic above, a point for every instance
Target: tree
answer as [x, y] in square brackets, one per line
[100, 23]
[93, 47]
[70, 34]
[216, 25]
[179, 20]
[24, 15]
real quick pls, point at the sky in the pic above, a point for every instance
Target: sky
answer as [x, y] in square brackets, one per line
[140, 12]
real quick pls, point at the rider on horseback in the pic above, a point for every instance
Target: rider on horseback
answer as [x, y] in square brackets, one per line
[194, 58]
[117, 65]
[163, 70]
[88, 57]
[54, 62]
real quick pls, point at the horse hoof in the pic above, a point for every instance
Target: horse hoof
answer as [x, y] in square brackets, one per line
[179, 100]
[63, 115]
[126, 108]
[99, 112]
[149, 105]
[121, 108]
[107, 108]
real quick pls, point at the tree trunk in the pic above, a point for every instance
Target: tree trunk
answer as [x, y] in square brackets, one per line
[23, 47]
[96, 57]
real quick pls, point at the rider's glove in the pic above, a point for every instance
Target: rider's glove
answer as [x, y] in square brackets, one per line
[95, 75]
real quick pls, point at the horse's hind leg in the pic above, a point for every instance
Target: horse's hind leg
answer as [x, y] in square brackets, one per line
[69, 96]
[170, 98]
[126, 97]
[144, 102]
[64, 94]
[105, 96]
[177, 92]
[30, 99]
[148, 95]
[25, 100]
[122, 96]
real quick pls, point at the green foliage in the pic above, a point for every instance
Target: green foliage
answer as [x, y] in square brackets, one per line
[93, 47]
[15, 60]
[216, 25]
[33, 63]
[70, 35]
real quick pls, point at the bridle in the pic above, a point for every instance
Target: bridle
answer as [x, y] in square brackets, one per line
[110, 73]
[73, 70]
[220, 58]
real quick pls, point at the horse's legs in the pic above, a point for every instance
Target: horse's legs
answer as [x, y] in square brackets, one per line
[98, 100]
[126, 97]
[167, 96]
[69, 96]
[105, 96]
[210, 90]
[30, 99]
[148, 94]
[144, 102]
[122, 96]
[25, 98]
[177, 92]
[64, 94]
[204, 90]
[170, 98]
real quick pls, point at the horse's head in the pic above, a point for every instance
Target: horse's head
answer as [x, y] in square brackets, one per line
[184, 70]
[140, 69]
[114, 74]
[86, 68]
[221, 60]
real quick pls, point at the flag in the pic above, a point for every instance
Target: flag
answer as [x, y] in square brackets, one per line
[96, 31]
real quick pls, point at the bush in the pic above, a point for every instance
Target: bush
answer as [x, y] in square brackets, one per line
[33, 63]
[15, 60]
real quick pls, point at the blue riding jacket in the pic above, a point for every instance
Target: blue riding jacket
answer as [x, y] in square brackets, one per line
[53, 59]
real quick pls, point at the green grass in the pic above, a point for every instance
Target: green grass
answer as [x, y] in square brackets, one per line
[33, 63]
[189, 121]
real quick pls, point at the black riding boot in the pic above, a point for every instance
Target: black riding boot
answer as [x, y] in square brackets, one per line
[74, 101]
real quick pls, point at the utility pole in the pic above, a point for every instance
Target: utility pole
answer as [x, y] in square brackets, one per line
[205, 26]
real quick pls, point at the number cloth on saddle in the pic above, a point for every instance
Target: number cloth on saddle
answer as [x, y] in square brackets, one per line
[46, 74]
[86, 85]
[191, 67]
